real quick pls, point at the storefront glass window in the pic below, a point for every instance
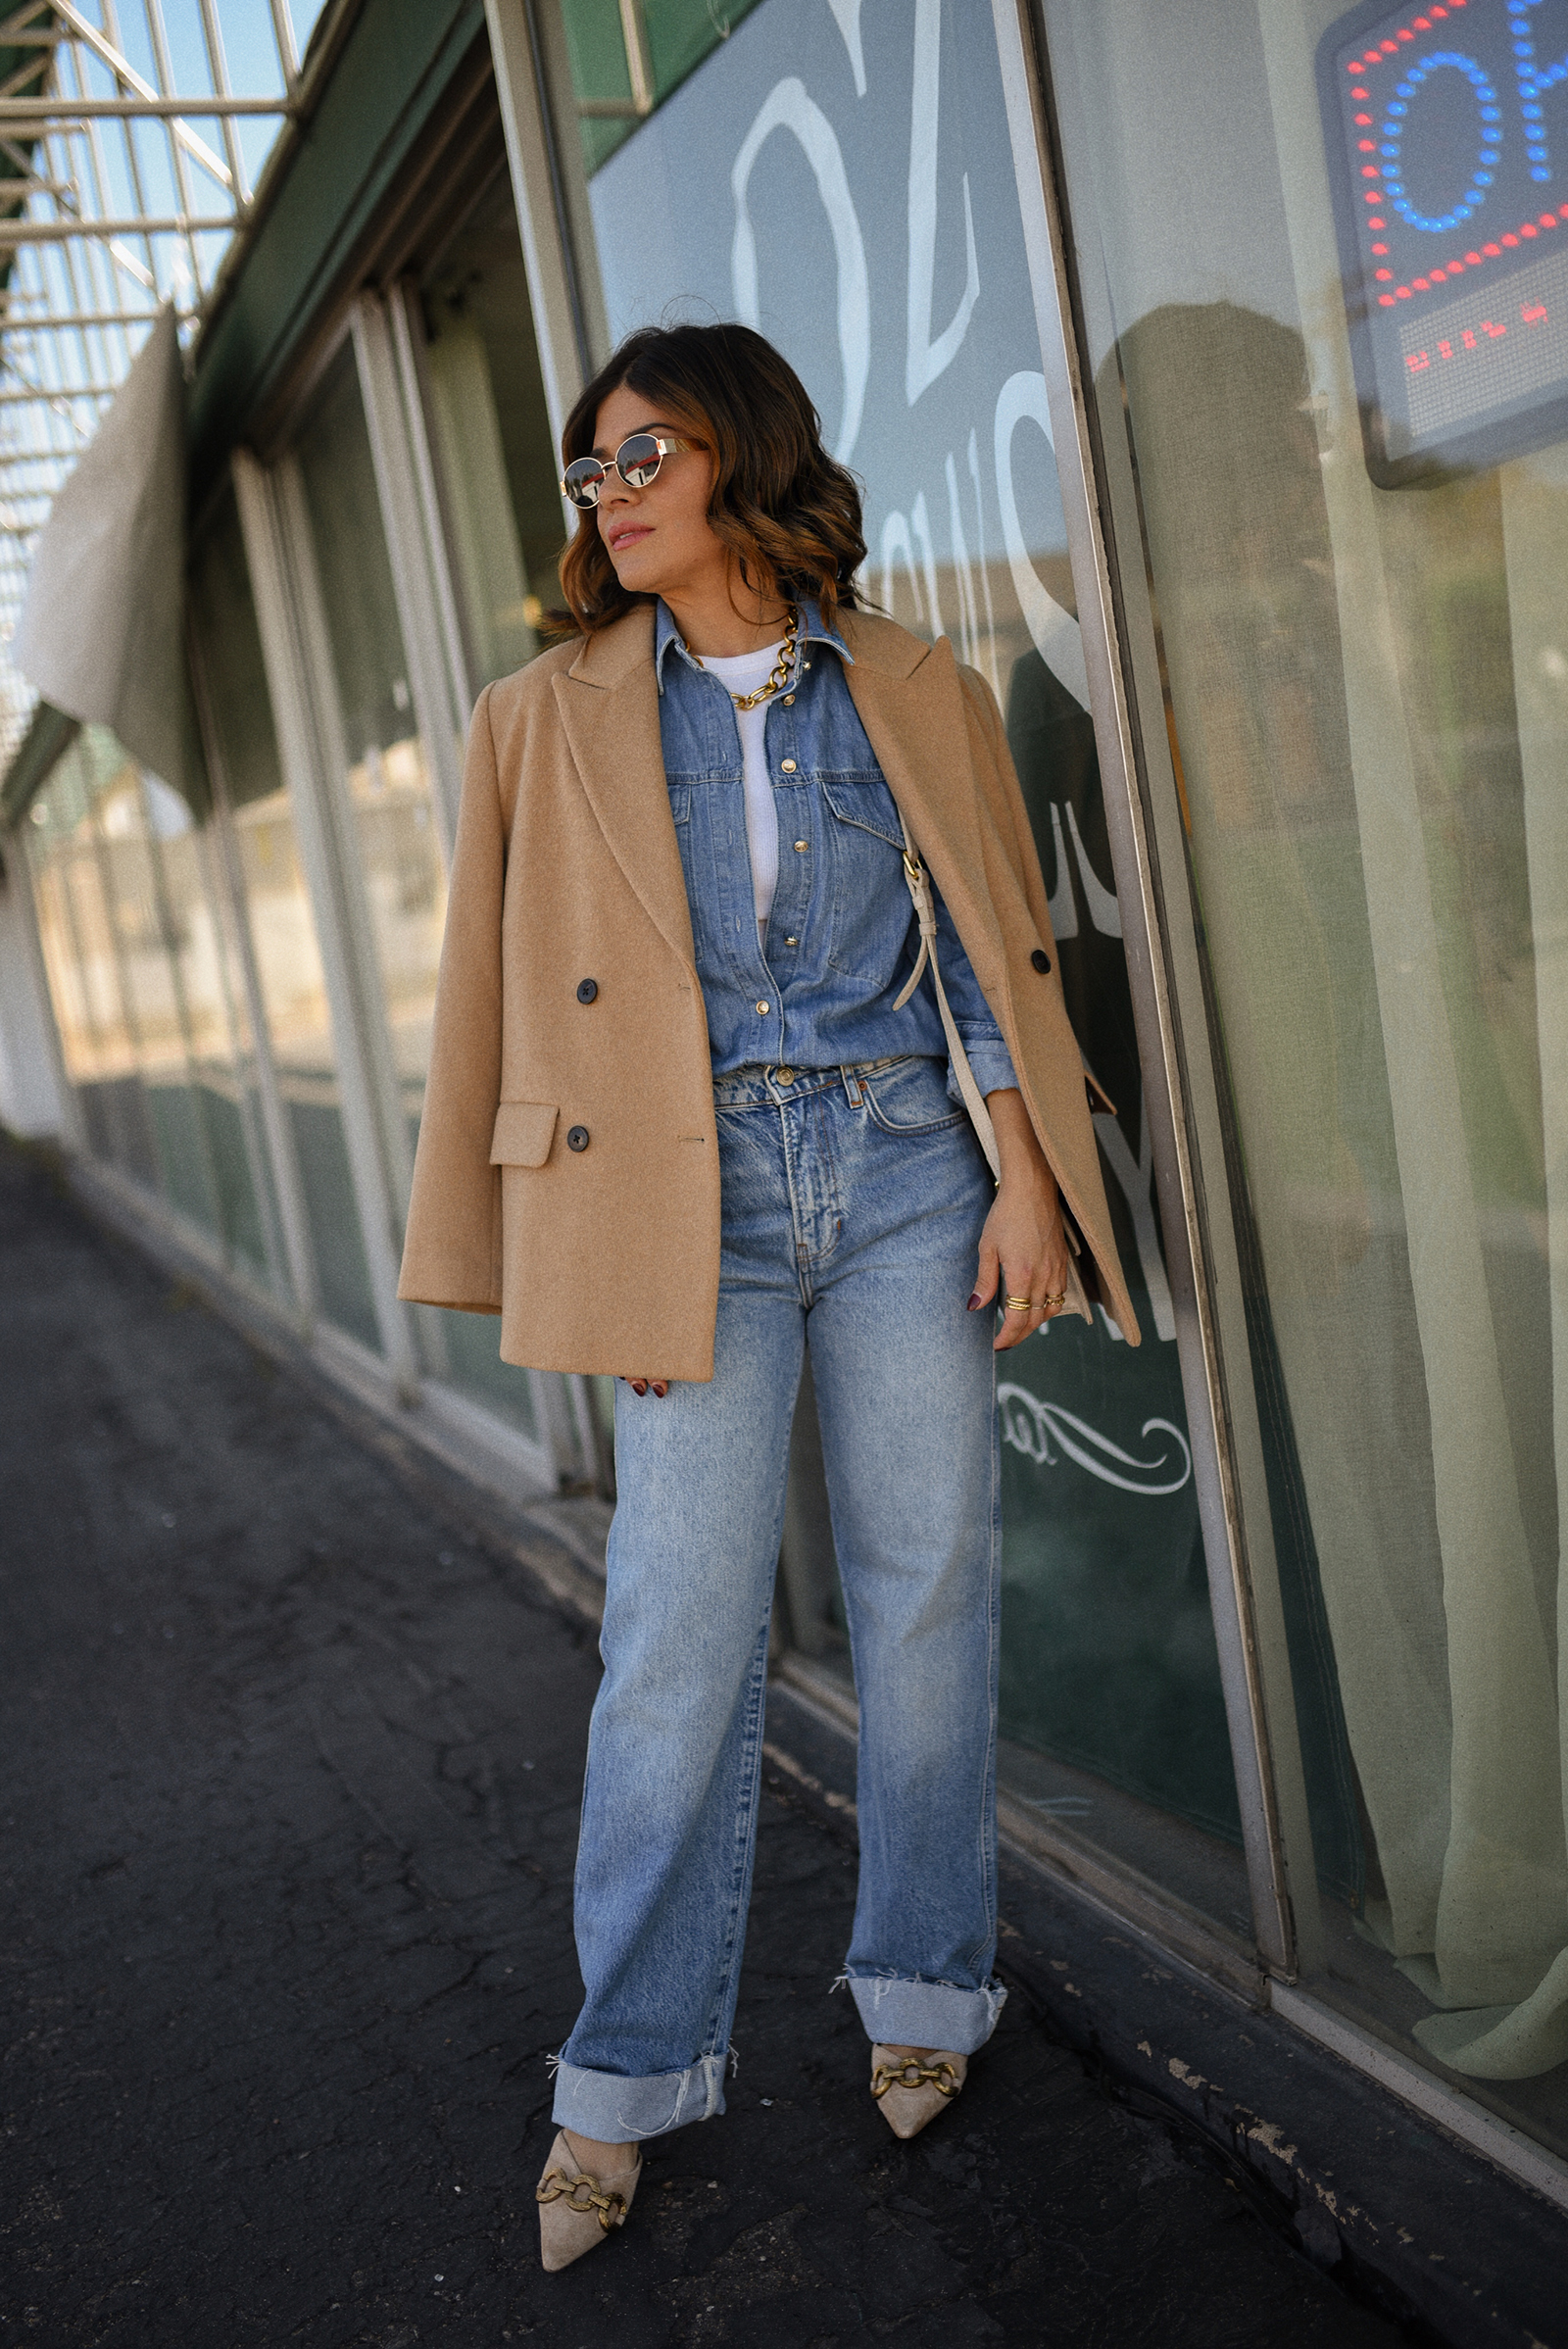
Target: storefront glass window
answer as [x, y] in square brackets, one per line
[281, 927]
[845, 181]
[138, 969]
[397, 870]
[84, 965]
[1329, 355]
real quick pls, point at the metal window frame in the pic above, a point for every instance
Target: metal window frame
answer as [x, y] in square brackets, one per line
[1181, 1083]
[293, 654]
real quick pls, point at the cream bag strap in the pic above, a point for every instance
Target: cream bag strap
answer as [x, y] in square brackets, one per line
[919, 882]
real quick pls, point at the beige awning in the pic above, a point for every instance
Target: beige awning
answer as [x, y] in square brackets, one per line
[102, 633]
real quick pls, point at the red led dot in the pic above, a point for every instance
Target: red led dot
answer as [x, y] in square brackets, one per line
[1440, 12]
[1403, 35]
[1510, 240]
[1402, 292]
[1491, 251]
[1548, 219]
[1423, 285]
[1384, 276]
[1369, 170]
[1437, 277]
[1380, 247]
[1360, 93]
[1376, 223]
[1563, 214]
[1454, 268]
[1422, 23]
[1387, 300]
[1366, 146]
[1363, 121]
[1530, 229]
[1451, 4]
[1474, 259]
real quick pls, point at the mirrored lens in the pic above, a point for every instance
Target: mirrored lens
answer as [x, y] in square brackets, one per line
[637, 459]
[583, 480]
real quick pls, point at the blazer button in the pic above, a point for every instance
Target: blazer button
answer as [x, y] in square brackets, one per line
[1041, 960]
[587, 989]
[577, 1137]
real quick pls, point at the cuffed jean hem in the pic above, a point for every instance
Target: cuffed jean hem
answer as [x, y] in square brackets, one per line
[899, 2013]
[615, 2111]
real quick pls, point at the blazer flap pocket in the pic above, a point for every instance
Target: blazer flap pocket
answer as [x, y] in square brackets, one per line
[523, 1134]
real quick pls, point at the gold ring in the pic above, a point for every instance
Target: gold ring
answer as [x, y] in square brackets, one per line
[1020, 1304]
[1051, 1303]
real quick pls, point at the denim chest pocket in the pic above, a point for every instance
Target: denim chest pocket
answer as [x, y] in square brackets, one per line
[863, 844]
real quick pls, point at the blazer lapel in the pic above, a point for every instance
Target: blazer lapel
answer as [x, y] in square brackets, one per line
[609, 705]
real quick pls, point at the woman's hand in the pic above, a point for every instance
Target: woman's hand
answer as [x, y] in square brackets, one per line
[1023, 1243]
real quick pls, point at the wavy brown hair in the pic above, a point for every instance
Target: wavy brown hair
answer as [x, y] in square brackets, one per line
[791, 513]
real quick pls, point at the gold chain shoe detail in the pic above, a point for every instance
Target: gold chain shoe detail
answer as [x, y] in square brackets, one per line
[908, 2093]
[577, 2209]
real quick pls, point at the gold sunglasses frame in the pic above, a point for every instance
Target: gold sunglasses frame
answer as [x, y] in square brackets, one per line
[665, 442]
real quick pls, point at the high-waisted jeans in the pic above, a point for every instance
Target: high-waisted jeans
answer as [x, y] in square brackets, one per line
[851, 1205]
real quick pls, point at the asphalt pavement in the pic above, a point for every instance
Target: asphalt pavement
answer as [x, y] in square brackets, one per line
[292, 1763]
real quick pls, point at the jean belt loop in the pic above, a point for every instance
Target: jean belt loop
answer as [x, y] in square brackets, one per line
[854, 1093]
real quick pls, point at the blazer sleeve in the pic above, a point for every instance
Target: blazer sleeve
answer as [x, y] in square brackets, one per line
[452, 1254]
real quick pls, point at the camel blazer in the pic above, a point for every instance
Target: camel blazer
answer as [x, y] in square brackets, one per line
[566, 1175]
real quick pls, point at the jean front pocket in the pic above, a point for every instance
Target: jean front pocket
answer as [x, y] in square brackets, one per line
[912, 1098]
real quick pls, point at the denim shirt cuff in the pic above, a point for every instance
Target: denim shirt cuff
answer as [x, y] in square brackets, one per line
[991, 1064]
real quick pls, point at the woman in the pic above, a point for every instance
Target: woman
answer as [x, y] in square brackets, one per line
[695, 1098]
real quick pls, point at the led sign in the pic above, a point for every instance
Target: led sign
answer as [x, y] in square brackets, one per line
[1447, 141]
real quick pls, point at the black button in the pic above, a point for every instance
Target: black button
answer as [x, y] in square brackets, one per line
[1040, 958]
[587, 989]
[577, 1139]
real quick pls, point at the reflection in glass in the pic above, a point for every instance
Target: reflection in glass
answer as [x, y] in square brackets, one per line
[279, 920]
[491, 430]
[884, 145]
[1368, 719]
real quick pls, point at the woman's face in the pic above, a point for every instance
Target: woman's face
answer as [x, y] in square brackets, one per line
[659, 539]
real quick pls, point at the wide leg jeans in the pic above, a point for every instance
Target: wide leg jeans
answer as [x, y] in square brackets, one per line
[851, 1205]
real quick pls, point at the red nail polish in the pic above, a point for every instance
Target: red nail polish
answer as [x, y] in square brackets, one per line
[639, 1386]
[975, 1302]
[661, 1390]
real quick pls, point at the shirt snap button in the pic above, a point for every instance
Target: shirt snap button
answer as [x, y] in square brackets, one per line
[587, 989]
[577, 1137]
[784, 1076]
[762, 1007]
[791, 942]
[801, 847]
[787, 767]
[789, 701]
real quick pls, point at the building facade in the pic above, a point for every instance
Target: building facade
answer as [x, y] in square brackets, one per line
[1266, 595]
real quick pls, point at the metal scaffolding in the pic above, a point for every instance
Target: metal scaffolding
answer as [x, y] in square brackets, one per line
[129, 158]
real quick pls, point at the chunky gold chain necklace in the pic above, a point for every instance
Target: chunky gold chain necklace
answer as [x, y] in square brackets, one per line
[779, 677]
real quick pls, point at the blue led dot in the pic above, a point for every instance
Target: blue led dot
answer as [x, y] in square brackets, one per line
[1539, 172]
[1404, 89]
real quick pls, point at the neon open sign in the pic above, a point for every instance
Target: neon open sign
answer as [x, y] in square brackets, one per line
[1447, 140]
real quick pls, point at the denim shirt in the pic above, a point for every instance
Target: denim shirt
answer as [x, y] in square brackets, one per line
[816, 990]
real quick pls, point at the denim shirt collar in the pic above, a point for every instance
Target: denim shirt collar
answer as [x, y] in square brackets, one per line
[814, 630]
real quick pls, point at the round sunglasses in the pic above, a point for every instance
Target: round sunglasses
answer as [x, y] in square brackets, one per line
[637, 460]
